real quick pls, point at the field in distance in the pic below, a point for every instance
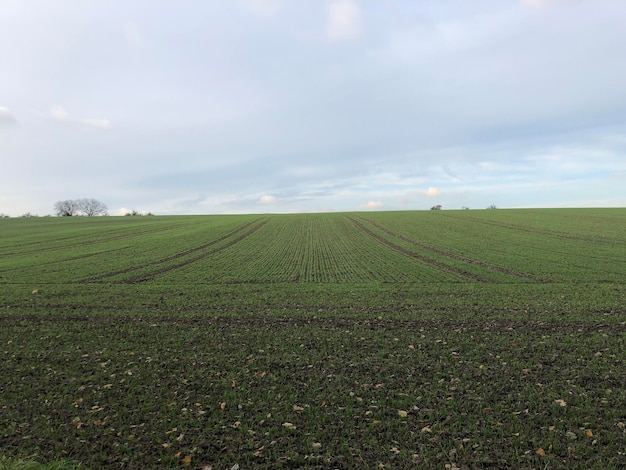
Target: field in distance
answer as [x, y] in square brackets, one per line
[470, 339]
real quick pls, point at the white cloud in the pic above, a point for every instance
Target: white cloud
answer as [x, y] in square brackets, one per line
[267, 199]
[370, 205]
[344, 20]
[100, 123]
[433, 192]
[6, 118]
[132, 34]
[59, 113]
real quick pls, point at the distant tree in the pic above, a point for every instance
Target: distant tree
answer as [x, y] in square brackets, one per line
[436, 208]
[28, 214]
[492, 206]
[91, 207]
[4, 216]
[465, 208]
[86, 206]
[66, 208]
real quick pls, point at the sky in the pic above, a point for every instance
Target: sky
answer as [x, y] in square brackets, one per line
[278, 106]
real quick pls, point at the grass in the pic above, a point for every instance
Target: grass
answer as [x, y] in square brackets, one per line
[470, 339]
[6, 464]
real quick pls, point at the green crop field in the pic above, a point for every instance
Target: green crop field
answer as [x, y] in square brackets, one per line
[432, 339]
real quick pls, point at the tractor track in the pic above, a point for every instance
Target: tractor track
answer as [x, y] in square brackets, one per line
[177, 256]
[449, 254]
[537, 231]
[107, 236]
[186, 262]
[424, 259]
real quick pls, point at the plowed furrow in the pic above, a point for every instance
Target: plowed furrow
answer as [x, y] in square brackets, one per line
[503, 325]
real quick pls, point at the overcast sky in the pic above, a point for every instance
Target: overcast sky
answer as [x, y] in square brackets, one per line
[246, 106]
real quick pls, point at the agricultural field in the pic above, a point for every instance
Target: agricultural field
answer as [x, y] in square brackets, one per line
[430, 339]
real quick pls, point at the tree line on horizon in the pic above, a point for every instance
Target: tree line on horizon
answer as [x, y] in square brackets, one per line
[90, 207]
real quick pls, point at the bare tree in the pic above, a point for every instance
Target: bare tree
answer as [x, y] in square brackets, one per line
[91, 207]
[66, 208]
[86, 206]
